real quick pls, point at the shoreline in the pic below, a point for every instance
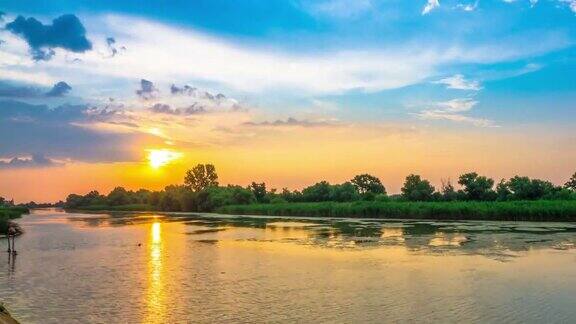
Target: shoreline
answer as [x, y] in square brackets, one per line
[529, 211]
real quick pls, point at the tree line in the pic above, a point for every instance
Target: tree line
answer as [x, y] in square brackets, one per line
[202, 192]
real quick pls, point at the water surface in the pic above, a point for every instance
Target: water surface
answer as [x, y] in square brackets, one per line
[152, 268]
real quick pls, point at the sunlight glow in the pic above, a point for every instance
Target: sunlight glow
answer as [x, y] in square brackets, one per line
[159, 158]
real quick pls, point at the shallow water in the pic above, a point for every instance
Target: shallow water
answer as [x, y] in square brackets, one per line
[152, 268]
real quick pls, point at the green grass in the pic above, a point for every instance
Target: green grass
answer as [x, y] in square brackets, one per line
[9, 213]
[131, 207]
[541, 210]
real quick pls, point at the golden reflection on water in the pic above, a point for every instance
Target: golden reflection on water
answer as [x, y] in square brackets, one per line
[155, 298]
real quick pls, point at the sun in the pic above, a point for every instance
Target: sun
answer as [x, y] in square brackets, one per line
[160, 158]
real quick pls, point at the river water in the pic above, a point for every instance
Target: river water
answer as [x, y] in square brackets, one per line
[183, 268]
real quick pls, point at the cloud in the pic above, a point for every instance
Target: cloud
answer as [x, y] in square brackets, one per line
[469, 6]
[193, 109]
[147, 90]
[571, 4]
[457, 81]
[453, 110]
[291, 122]
[112, 47]
[430, 5]
[35, 161]
[457, 105]
[440, 114]
[59, 89]
[9, 90]
[65, 132]
[66, 32]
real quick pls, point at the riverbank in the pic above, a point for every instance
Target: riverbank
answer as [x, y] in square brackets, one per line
[540, 210]
[5, 317]
[130, 207]
[9, 213]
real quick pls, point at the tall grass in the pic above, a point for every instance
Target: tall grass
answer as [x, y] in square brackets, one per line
[130, 207]
[540, 210]
[9, 213]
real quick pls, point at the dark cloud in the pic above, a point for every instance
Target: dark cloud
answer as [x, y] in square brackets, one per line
[63, 133]
[9, 90]
[194, 92]
[193, 109]
[290, 122]
[59, 89]
[147, 90]
[113, 48]
[66, 32]
[36, 161]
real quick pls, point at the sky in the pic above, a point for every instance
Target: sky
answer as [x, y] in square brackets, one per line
[98, 94]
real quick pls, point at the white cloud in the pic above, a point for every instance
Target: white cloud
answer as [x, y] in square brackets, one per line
[453, 110]
[468, 6]
[571, 4]
[457, 81]
[166, 55]
[430, 5]
[457, 105]
[443, 115]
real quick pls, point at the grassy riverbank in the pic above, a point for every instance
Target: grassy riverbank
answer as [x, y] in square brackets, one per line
[541, 210]
[9, 213]
[129, 207]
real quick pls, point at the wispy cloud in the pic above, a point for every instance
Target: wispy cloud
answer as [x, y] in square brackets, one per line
[35, 161]
[430, 5]
[458, 81]
[290, 121]
[453, 110]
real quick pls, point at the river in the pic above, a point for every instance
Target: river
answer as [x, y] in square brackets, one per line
[206, 268]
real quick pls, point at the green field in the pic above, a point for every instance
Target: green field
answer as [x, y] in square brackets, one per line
[540, 210]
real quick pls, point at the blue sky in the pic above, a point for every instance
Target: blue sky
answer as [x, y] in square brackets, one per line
[495, 68]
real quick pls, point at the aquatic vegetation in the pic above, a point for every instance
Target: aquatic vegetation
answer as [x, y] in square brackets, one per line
[541, 210]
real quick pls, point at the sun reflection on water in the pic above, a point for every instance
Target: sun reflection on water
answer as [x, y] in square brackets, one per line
[156, 307]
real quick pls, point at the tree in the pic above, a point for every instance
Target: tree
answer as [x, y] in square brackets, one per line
[317, 192]
[344, 192]
[259, 191]
[118, 196]
[571, 184]
[524, 188]
[448, 191]
[503, 191]
[477, 187]
[366, 183]
[416, 189]
[201, 177]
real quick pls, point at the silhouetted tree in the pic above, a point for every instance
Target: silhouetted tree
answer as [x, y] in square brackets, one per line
[366, 183]
[448, 191]
[201, 177]
[118, 196]
[259, 191]
[571, 184]
[317, 192]
[344, 192]
[477, 187]
[503, 191]
[417, 189]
